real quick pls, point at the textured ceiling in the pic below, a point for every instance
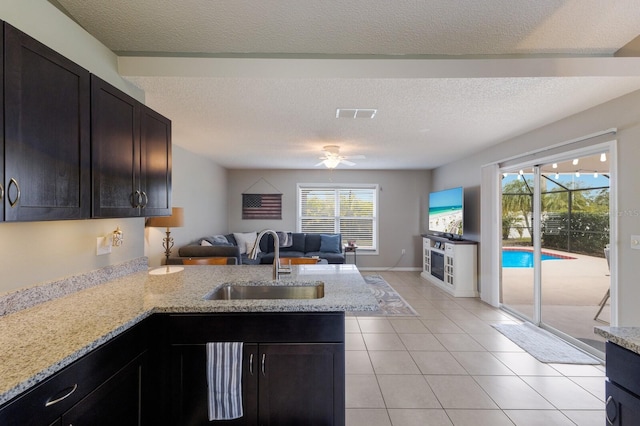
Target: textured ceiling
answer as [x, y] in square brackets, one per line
[252, 114]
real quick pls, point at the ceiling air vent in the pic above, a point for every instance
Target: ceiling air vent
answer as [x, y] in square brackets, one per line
[356, 112]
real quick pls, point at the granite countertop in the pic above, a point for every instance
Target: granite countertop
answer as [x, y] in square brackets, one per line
[41, 340]
[627, 337]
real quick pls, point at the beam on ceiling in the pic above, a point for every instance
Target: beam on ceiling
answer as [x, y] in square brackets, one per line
[143, 66]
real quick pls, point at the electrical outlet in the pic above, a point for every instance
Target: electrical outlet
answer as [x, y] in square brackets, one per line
[404, 251]
[103, 246]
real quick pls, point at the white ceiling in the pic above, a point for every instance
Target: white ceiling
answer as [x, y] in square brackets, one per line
[256, 84]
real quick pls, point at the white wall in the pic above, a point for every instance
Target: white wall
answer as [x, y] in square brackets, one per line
[35, 252]
[402, 207]
[622, 113]
[200, 187]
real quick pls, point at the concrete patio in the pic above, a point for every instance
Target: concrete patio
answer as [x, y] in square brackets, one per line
[571, 292]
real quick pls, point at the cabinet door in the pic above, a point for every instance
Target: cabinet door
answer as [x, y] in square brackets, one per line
[189, 386]
[115, 402]
[47, 145]
[298, 384]
[115, 144]
[155, 162]
[622, 407]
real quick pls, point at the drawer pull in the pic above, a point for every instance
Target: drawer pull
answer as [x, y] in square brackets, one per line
[251, 364]
[51, 402]
[264, 356]
[614, 410]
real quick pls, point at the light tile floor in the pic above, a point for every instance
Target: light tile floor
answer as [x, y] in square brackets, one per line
[448, 366]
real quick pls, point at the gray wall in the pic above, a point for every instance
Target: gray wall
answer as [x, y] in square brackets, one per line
[200, 187]
[402, 207]
[621, 113]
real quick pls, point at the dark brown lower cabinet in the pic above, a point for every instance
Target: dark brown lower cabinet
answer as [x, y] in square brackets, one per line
[116, 402]
[283, 384]
[297, 384]
[622, 386]
[293, 367]
[189, 395]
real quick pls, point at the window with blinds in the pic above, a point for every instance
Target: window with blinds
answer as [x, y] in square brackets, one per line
[348, 210]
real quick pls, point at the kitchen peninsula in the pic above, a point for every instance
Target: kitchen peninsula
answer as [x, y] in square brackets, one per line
[622, 385]
[164, 321]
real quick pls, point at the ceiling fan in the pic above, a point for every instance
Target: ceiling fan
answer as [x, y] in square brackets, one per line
[332, 157]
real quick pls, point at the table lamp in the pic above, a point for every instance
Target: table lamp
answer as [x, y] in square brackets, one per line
[176, 220]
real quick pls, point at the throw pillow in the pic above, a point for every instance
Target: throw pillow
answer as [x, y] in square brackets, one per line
[217, 240]
[244, 239]
[330, 243]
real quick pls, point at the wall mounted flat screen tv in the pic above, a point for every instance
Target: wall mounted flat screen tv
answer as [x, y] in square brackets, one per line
[446, 210]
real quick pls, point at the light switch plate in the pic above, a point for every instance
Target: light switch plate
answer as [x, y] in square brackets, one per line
[635, 242]
[103, 246]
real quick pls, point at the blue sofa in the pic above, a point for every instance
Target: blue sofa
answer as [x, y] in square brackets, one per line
[325, 246]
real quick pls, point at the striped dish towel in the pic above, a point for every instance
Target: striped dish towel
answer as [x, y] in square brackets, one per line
[224, 378]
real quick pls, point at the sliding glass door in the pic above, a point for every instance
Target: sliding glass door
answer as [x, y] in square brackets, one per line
[555, 228]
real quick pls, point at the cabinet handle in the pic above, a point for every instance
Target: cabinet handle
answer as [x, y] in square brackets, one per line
[14, 182]
[1, 191]
[251, 364]
[136, 198]
[615, 410]
[264, 356]
[144, 199]
[51, 402]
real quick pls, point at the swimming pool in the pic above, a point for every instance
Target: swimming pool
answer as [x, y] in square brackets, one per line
[524, 258]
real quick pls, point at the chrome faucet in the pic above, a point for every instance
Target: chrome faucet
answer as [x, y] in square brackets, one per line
[276, 244]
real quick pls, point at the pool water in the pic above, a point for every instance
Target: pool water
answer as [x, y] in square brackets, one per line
[523, 258]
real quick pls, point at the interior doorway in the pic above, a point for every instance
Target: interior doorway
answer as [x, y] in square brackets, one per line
[555, 239]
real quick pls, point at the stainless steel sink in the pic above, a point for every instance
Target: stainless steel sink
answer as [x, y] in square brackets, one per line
[267, 291]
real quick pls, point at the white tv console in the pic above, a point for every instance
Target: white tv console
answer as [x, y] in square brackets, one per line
[450, 265]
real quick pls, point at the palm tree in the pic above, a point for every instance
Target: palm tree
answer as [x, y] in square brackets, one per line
[517, 198]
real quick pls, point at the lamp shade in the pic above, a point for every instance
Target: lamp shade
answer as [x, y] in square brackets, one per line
[176, 219]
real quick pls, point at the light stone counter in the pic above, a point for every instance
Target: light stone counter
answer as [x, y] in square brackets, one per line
[627, 337]
[39, 341]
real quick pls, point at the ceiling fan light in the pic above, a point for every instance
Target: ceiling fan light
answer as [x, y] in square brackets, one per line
[331, 163]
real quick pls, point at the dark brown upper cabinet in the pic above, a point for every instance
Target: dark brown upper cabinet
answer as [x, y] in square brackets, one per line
[131, 155]
[2, 193]
[46, 133]
[155, 162]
